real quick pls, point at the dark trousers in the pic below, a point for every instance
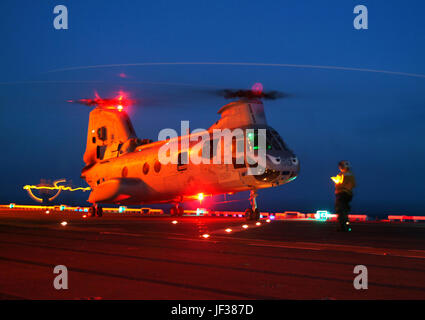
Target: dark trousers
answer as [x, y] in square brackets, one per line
[342, 208]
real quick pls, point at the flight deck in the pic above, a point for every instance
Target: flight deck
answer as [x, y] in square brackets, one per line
[128, 255]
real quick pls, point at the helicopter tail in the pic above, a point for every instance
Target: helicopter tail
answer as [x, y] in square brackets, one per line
[110, 134]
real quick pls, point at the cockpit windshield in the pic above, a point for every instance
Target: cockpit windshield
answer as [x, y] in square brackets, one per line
[277, 138]
[273, 140]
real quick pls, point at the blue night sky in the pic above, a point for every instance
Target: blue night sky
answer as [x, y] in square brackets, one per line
[375, 120]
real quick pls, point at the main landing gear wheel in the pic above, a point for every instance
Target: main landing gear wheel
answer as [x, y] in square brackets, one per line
[248, 214]
[180, 211]
[252, 215]
[256, 214]
[95, 210]
[177, 211]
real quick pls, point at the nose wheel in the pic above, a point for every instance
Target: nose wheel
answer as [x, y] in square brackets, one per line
[177, 210]
[252, 213]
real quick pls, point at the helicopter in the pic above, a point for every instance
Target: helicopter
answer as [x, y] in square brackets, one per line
[123, 169]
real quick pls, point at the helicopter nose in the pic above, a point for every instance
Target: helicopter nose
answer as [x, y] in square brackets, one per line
[283, 163]
[289, 167]
[280, 167]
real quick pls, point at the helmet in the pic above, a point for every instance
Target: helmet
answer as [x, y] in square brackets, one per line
[344, 164]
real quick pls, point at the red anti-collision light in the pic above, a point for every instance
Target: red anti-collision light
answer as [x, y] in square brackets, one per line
[120, 102]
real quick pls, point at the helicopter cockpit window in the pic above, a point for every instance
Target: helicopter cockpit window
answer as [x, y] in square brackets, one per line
[278, 139]
[271, 140]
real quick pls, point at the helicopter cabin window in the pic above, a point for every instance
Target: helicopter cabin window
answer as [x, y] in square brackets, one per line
[214, 148]
[102, 134]
[182, 161]
[208, 149]
[238, 157]
[253, 140]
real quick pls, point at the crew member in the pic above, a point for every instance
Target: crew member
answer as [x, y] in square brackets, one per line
[344, 184]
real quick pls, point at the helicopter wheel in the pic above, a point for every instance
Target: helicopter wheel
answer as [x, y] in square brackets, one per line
[248, 214]
[92, 211]
[180, 211]
[173, 211]
[99, 211]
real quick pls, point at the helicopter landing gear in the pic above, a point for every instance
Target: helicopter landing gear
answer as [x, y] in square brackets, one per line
[95, 210]
[99, 211]
[92, 211]
[252, 213]
[177, 210]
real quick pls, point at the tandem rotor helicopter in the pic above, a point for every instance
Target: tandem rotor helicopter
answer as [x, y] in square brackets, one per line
[123, 169]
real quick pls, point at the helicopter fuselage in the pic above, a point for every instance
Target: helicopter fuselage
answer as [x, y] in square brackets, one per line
[122, 169]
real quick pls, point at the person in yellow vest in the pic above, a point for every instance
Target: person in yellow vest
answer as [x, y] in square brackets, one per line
[344, 185]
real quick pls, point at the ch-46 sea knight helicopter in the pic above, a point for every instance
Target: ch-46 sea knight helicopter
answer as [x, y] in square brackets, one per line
[123, 169]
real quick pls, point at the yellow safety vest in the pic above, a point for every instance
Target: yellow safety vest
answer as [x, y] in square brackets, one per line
[344, 182]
